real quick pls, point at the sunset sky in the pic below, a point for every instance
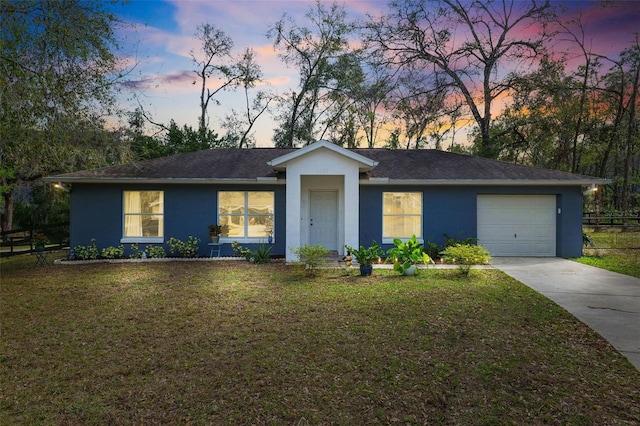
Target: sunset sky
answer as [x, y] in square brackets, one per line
[159, 36]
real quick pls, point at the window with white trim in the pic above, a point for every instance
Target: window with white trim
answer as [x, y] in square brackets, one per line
[401, 215]
[143, 215]
[247, 214]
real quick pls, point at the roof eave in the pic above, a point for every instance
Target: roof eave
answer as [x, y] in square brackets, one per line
[181, 181]
[484, 182]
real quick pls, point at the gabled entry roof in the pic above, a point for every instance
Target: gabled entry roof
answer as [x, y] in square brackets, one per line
[424, 166]
[366, 164]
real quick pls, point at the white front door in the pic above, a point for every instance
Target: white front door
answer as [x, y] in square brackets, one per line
[323, 219]
[517, 225]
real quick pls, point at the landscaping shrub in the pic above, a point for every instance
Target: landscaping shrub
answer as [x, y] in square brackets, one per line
[157, 252]
[262, 253]
[466, 255]
[136, 253]
[432, 249]
[112, 252]
[310, 255]
[450, 241]
[241, 251]
[187, 248]
[86, 252]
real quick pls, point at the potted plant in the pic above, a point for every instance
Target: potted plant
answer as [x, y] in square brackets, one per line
[216, 230]
[40, 240]
[405, 255]
[366, 256]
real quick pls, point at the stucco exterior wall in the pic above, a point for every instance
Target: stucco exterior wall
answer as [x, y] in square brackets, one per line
[452, 210]
[96, 212]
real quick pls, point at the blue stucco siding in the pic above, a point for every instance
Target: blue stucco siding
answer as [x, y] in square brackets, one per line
[452, 210]
[96, 212]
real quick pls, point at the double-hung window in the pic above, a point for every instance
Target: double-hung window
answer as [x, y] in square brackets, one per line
[247, 214]
[401, 215]
[143, 216]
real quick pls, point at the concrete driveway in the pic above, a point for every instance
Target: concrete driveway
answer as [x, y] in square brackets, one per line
[606, 301]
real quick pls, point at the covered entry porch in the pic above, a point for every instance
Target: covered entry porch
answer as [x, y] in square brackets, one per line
[322, 196]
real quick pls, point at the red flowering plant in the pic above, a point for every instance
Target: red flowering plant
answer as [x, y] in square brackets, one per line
[40, 239]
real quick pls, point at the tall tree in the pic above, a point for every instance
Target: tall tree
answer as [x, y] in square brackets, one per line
[630, 60]
[313, 51]
[419, 102]
[474, 43]
[239, 124]
[58, 71]
[215, 61]
[371, 99]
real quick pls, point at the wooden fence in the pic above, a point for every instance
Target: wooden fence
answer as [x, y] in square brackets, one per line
[630, 221]
[20, 241]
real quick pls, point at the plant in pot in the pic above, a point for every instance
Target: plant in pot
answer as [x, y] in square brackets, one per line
[40, 240]
[405, 255]
[366, 256]
[216, 230]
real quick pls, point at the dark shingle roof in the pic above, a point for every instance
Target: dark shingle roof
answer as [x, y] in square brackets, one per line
[251, 164]
[434, 164]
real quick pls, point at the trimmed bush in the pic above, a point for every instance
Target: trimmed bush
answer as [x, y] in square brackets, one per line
[311, 256]
[466, 255]
[112, 252]
[187, 248]
[157, 252]
[86, 252]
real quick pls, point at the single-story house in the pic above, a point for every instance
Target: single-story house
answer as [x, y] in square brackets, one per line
[329, 195]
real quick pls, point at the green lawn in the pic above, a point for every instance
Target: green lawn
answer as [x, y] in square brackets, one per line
[236, 343]
[614, 250]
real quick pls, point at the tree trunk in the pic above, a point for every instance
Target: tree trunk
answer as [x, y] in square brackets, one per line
[6, 218]
[631, 131]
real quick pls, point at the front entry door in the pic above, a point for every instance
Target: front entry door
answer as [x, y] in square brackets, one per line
[323, 219]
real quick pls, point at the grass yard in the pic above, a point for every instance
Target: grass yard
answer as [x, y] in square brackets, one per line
[614, 250]
[236, 343]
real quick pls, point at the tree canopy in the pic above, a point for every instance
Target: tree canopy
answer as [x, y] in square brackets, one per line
[411, 77]
[58, 68]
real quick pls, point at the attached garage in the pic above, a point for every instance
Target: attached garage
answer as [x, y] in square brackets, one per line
[517, 225]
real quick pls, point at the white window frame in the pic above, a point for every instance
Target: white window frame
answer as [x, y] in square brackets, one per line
[141, 239]
[246, 219]
[389, 239]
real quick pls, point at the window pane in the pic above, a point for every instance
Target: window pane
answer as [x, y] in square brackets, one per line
[260, 202]
[401, 227]
[151, 226]
[151, 202]
[402, 214]
[231, 202]
[143, 213]
[260, 226]
[402, 203]
[235, 224]
[254, 222]
[143, 226]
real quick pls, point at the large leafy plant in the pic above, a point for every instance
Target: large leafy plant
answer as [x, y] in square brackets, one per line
[405, 254]
[366, 255]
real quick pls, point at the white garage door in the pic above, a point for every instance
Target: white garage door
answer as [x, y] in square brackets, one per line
[517, 225]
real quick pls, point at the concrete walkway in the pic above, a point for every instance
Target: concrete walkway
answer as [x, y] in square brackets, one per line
[606, 301]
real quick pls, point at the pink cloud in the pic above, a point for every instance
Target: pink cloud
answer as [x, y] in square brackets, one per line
[608, 30]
